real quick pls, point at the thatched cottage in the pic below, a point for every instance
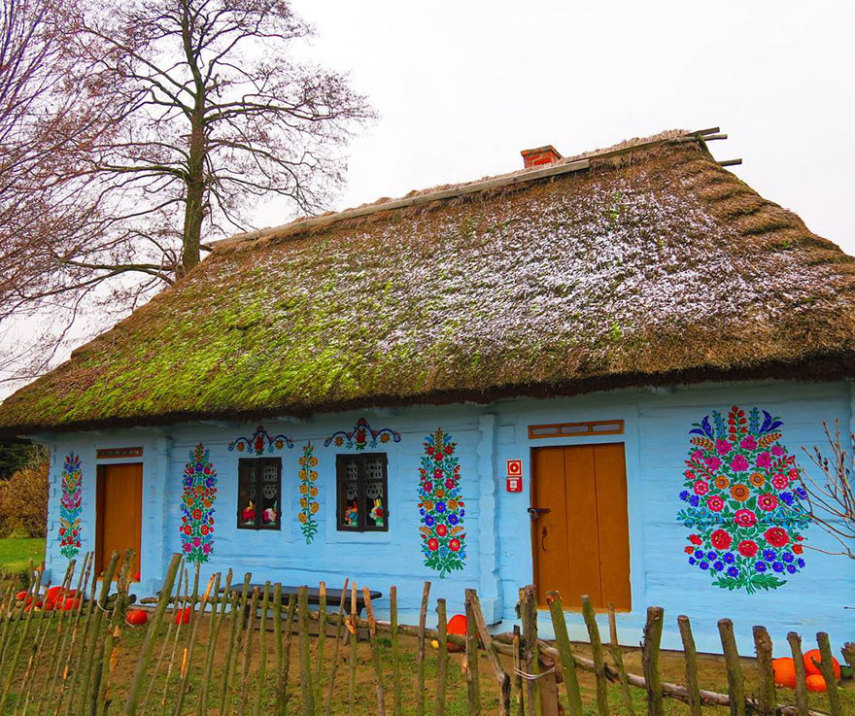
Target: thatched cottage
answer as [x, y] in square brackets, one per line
[597, 374]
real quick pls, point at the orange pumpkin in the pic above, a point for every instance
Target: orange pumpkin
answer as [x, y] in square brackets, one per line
[136, 617]
[785, 672]
[812, 660]
[182, 616]
[815, 682]
[71, 603]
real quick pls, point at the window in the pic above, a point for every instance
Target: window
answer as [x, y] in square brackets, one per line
[362, 502]
[259, 494]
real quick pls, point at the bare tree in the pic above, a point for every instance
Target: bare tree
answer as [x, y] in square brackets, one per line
[831, 499]
[140, 127]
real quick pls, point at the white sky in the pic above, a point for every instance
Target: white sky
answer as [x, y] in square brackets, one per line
[463, 86]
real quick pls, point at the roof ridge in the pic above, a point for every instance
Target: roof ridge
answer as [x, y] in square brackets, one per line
[566, 165]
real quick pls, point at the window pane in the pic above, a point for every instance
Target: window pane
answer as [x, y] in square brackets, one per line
[247, 499]
[269, 499]
[350, 490]
[375, 503]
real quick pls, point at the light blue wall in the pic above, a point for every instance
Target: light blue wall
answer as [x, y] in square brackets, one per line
[499, 560]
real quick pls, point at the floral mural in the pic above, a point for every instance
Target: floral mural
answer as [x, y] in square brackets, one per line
[260, 441]
[440, 506]
[362, 436]
[197, 506]
[744, 502]
[70, 501]
[308, 493]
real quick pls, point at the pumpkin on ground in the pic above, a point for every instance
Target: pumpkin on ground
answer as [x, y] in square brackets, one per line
[785, 672]
[815, 682]
[71, 603]
[182, 616]
[812, 660]
[136, 617]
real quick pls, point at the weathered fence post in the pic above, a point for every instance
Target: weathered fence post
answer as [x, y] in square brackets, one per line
[650, 659]
[597, 650]
[617, 656]
[690, 656]
[501, 676]
[473, 686]
[151, 636]
[568, 663]
[528, 615]
[375, 651]
[798, 661]
[825, 666]
[442, 667]
[420, 659]
[305, 662]
[338, 629]
[765, 676]
[735, 679]
[396, 653]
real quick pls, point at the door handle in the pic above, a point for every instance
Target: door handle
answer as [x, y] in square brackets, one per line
[535, 512]
[543, 538]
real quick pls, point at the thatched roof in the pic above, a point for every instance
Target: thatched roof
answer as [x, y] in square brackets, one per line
[653, 265]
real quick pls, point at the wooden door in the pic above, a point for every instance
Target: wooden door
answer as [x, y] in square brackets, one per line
[580, 538]
[119, 525]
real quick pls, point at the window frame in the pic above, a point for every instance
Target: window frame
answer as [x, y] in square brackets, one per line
[258, 463]
[341, 460]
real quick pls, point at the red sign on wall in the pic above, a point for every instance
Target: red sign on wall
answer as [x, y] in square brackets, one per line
[514, 468]
[514, 484]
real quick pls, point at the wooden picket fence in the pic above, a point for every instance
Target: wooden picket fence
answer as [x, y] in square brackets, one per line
[239, 646]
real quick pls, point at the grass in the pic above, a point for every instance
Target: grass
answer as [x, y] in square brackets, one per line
[16, 552]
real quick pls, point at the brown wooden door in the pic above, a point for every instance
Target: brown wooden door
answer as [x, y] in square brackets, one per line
[580, 539]
[119, 513]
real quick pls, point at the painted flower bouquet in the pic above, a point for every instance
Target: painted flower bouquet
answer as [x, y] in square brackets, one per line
[308, 492]
[744, 502]
[440, 505]
[70, 506]
[197, 506]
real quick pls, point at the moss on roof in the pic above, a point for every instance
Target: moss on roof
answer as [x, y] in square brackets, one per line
[655, 266]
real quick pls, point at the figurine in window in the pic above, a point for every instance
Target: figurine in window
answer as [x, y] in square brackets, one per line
[269, 515]
[248, 514]
[377, 512]
[351, 515]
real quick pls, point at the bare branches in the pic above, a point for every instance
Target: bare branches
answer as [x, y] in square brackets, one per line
[831, 500]
[130, 130]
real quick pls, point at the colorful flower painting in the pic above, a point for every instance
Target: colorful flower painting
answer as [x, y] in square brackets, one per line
[260, 441]
[308, 493]
[744, 502]
[197, 506]
[70, 501]
[362, 436]
[440, 506]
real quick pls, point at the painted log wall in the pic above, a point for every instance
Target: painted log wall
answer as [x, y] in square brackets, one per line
[498, 546]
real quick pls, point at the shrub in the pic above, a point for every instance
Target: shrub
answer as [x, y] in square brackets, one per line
[23, 502]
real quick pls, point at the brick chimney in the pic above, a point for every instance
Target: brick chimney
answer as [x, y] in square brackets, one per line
[540, 156]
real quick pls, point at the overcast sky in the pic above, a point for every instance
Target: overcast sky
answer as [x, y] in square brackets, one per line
[463, 86]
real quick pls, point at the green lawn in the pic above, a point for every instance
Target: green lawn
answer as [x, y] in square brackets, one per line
[16, 552]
